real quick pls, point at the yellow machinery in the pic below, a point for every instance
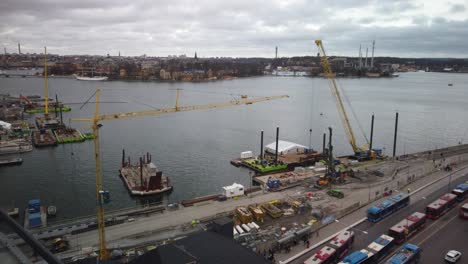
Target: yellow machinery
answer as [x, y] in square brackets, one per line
[359, 153]
[101, 195]
[46, 84]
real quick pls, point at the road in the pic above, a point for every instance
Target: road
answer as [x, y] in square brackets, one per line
[440, 236]
[450, 233]
[418, 203]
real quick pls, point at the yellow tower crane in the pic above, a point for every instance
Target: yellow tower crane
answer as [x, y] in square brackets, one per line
[46, 83]
[101, 194]
[359, 153]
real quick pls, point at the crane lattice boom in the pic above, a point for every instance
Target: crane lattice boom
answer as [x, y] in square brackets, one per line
[328, 73]
[181, 109]
[103, 250]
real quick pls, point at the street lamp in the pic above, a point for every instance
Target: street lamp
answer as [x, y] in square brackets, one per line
[369, 185]
[250, 191]
[450, 181]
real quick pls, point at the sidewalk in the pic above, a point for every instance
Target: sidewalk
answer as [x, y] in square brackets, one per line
[420, 189]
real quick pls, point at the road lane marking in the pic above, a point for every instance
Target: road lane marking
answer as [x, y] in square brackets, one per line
[413, 238]
[438, 229]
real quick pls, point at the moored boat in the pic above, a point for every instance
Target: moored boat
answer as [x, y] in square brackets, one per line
[94, 78]
[13, 212]
[13, 161]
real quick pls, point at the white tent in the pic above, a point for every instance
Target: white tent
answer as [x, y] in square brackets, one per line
[285, 147]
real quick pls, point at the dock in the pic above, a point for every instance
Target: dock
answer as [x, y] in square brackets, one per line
[144, 178]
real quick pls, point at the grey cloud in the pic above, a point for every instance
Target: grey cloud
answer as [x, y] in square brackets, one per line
[394, 6]
[457, 8]
[220, 28]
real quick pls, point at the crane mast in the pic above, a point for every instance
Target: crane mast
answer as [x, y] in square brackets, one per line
[328, 73]
[102, 196]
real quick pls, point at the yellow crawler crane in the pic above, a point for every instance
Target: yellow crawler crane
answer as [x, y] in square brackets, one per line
[102, 196]
[359, 153]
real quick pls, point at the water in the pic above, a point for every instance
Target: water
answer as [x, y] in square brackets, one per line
[194, 148]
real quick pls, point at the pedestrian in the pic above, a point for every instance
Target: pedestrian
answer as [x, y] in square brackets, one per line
[307, 244]
[409, 189]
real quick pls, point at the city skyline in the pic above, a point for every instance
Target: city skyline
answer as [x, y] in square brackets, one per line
[240, 29]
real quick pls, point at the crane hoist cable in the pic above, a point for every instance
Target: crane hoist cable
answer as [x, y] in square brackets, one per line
[345, 95]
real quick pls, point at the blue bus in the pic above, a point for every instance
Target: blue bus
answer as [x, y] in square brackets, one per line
[378, 212]
[380, 247]
[408, 254]
[461, 191]
[358, 257]
[374, 252]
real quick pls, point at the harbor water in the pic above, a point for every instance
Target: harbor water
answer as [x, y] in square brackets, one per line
[194, 148]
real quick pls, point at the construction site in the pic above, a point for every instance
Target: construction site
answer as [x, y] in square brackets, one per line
[296, 192]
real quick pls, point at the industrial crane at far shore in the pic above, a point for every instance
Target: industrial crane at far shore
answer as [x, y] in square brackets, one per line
[102, 195]
[359, 153]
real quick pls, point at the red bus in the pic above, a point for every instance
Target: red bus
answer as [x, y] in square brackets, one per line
[407, 227]
[335, 249]
[464, 211]
[440, 206]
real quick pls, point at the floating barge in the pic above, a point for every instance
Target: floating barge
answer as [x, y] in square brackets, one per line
[44, 138]
[51, 110]
[48, 122]
[68, 135]
[88, 135]
[143, 178]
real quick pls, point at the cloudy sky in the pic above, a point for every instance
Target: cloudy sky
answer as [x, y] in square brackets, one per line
[240, 28]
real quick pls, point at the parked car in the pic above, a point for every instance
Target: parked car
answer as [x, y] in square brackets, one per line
[453, 256]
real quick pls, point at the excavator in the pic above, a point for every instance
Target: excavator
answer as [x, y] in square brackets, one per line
[360, 153]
